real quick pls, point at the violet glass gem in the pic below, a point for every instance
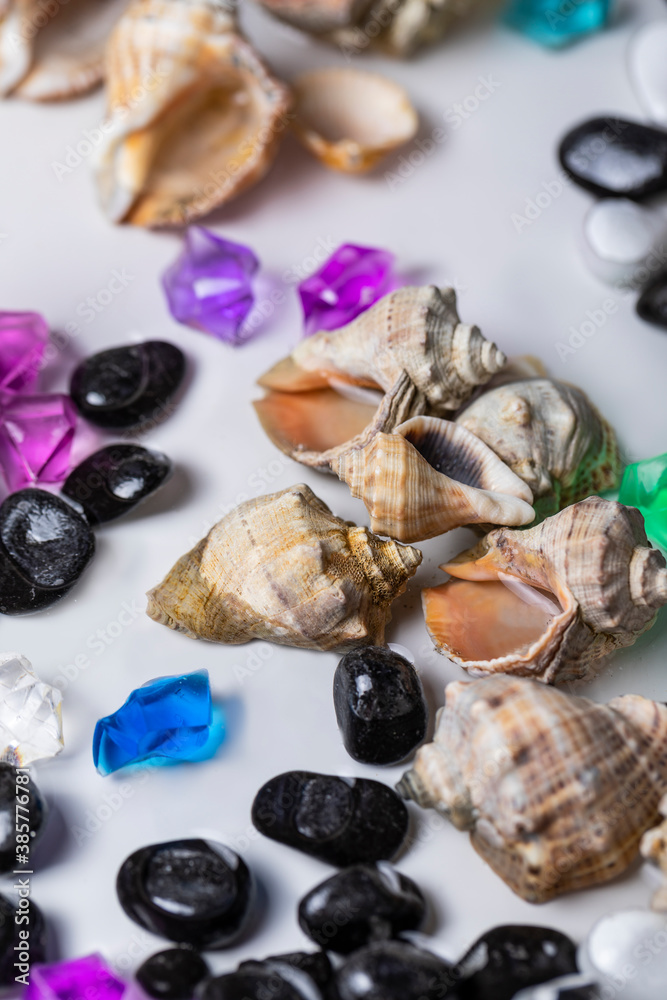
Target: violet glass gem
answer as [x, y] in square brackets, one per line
[36, 434]
[75, 979]
[347, 284]
[23, 337]
[209, 286]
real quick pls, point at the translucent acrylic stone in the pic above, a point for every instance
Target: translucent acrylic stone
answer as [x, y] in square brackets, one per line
[23, 337]
[36, 434]
[31, 725]
[349, 282]
[644, 486]
[555, 23]
[209, 286]
[80, 978]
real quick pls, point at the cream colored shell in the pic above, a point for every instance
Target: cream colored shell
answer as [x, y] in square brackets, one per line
[654, 849]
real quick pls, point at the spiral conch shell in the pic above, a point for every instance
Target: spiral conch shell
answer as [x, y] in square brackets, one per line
[654, 849]
[195, 115]
[283, 568]
[555, 790]
[552, 601]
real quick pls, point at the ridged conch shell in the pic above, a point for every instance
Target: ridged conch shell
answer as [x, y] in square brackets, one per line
[551, 435]
[654, 849]
[552, 601]
[430, 476]
[208, 121]
[555, 790]
[283, 568]
[349, 119]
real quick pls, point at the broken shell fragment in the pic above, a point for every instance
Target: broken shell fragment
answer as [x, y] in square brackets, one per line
[552, 601]
[350, 119]
[283, 568]
[535, 775]
[654, 849]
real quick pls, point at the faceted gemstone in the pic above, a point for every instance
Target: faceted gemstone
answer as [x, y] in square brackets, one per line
[169, 717]
[36, 434]
[125, 388]
[172, 974]
[619, 238]
[23, 337]
[644, 485]
[315, 965]
[554, 24]
[195, 892]
[652, 303]
[19, 803]
[44, 548]
[379, 705]
[209, 286]
[343, 821]
[361, 904]
[393, 970]
[507, 959]
[634, 938]
[255, 980]
[564, 988]
[350, 281]
[616, 158]
[31, 725]
[11, 944]
[74, 980]
[648, 69]
[115, 479]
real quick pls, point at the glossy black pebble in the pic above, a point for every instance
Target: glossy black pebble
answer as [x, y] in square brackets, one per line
[172, 974]
[126, 387]
[14, 809]
[652, 303]
[361, 904]
[380, 705]
[508, 959]
[340, 821]
[44, 548]
[613, 157]
[115, 479]
[11, 940]
[392, 970]
[194, 892]
[254, 981]
[315, 964]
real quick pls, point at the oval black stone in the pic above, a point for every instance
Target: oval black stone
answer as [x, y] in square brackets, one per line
[340, 821]
[315, 964]
[14, 810]
[393, 970]
[361, 904]
[380, 706]
[172, 974]
[255, 980]
[194, 892]
[44, 548]
[613, 157]
[113, 480]
[128, 387]
[11, 942]
[509, 958]
[652, 303]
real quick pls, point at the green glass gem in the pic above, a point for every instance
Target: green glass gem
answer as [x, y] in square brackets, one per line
[645, 486]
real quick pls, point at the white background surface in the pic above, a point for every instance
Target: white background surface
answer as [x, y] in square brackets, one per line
[448, 222]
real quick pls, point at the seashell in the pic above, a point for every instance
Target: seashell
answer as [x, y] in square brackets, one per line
[283, 568]
[207, 124]
[555, 790]
[349, 119]
[551, 435]
[654, 849]
[552, 601]
[430, 476]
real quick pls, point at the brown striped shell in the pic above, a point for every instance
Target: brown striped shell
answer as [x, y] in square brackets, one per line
[654, 849]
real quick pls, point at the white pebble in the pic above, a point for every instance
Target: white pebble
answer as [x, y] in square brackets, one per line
[621, 239]
[627, 953]
[647, 59]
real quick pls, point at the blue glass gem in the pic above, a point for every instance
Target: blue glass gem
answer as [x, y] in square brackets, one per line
[556, 23]
[170, 717]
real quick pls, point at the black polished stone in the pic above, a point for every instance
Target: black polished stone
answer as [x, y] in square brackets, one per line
[45, 546]
[380, 705]
[652, 303]
[172, 974]
[340, 821]
[194, 892]
[128, 387]
[19, 804]
[29, 926]
[510, 958]
[113, 480]
[393, 970]
[315, 964]
[361, 904]
[613, 157]
[254, 981]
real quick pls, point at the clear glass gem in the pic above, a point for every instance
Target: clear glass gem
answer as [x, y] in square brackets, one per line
[23, 337]
[36, 434]
[347, 284]
[31, 726]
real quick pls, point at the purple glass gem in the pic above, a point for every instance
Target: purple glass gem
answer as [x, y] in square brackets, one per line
[350, 281]
[36, 434]
[209, 286]
[79, 979]
[23, 337]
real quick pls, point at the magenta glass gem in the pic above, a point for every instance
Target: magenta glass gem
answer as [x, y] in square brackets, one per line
[350, 281]
[88, 978]
[36, 434]
[209, 286]
[23, 337]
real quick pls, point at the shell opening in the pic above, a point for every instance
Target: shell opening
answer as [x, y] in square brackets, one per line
[447, 456]
[313, 421]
